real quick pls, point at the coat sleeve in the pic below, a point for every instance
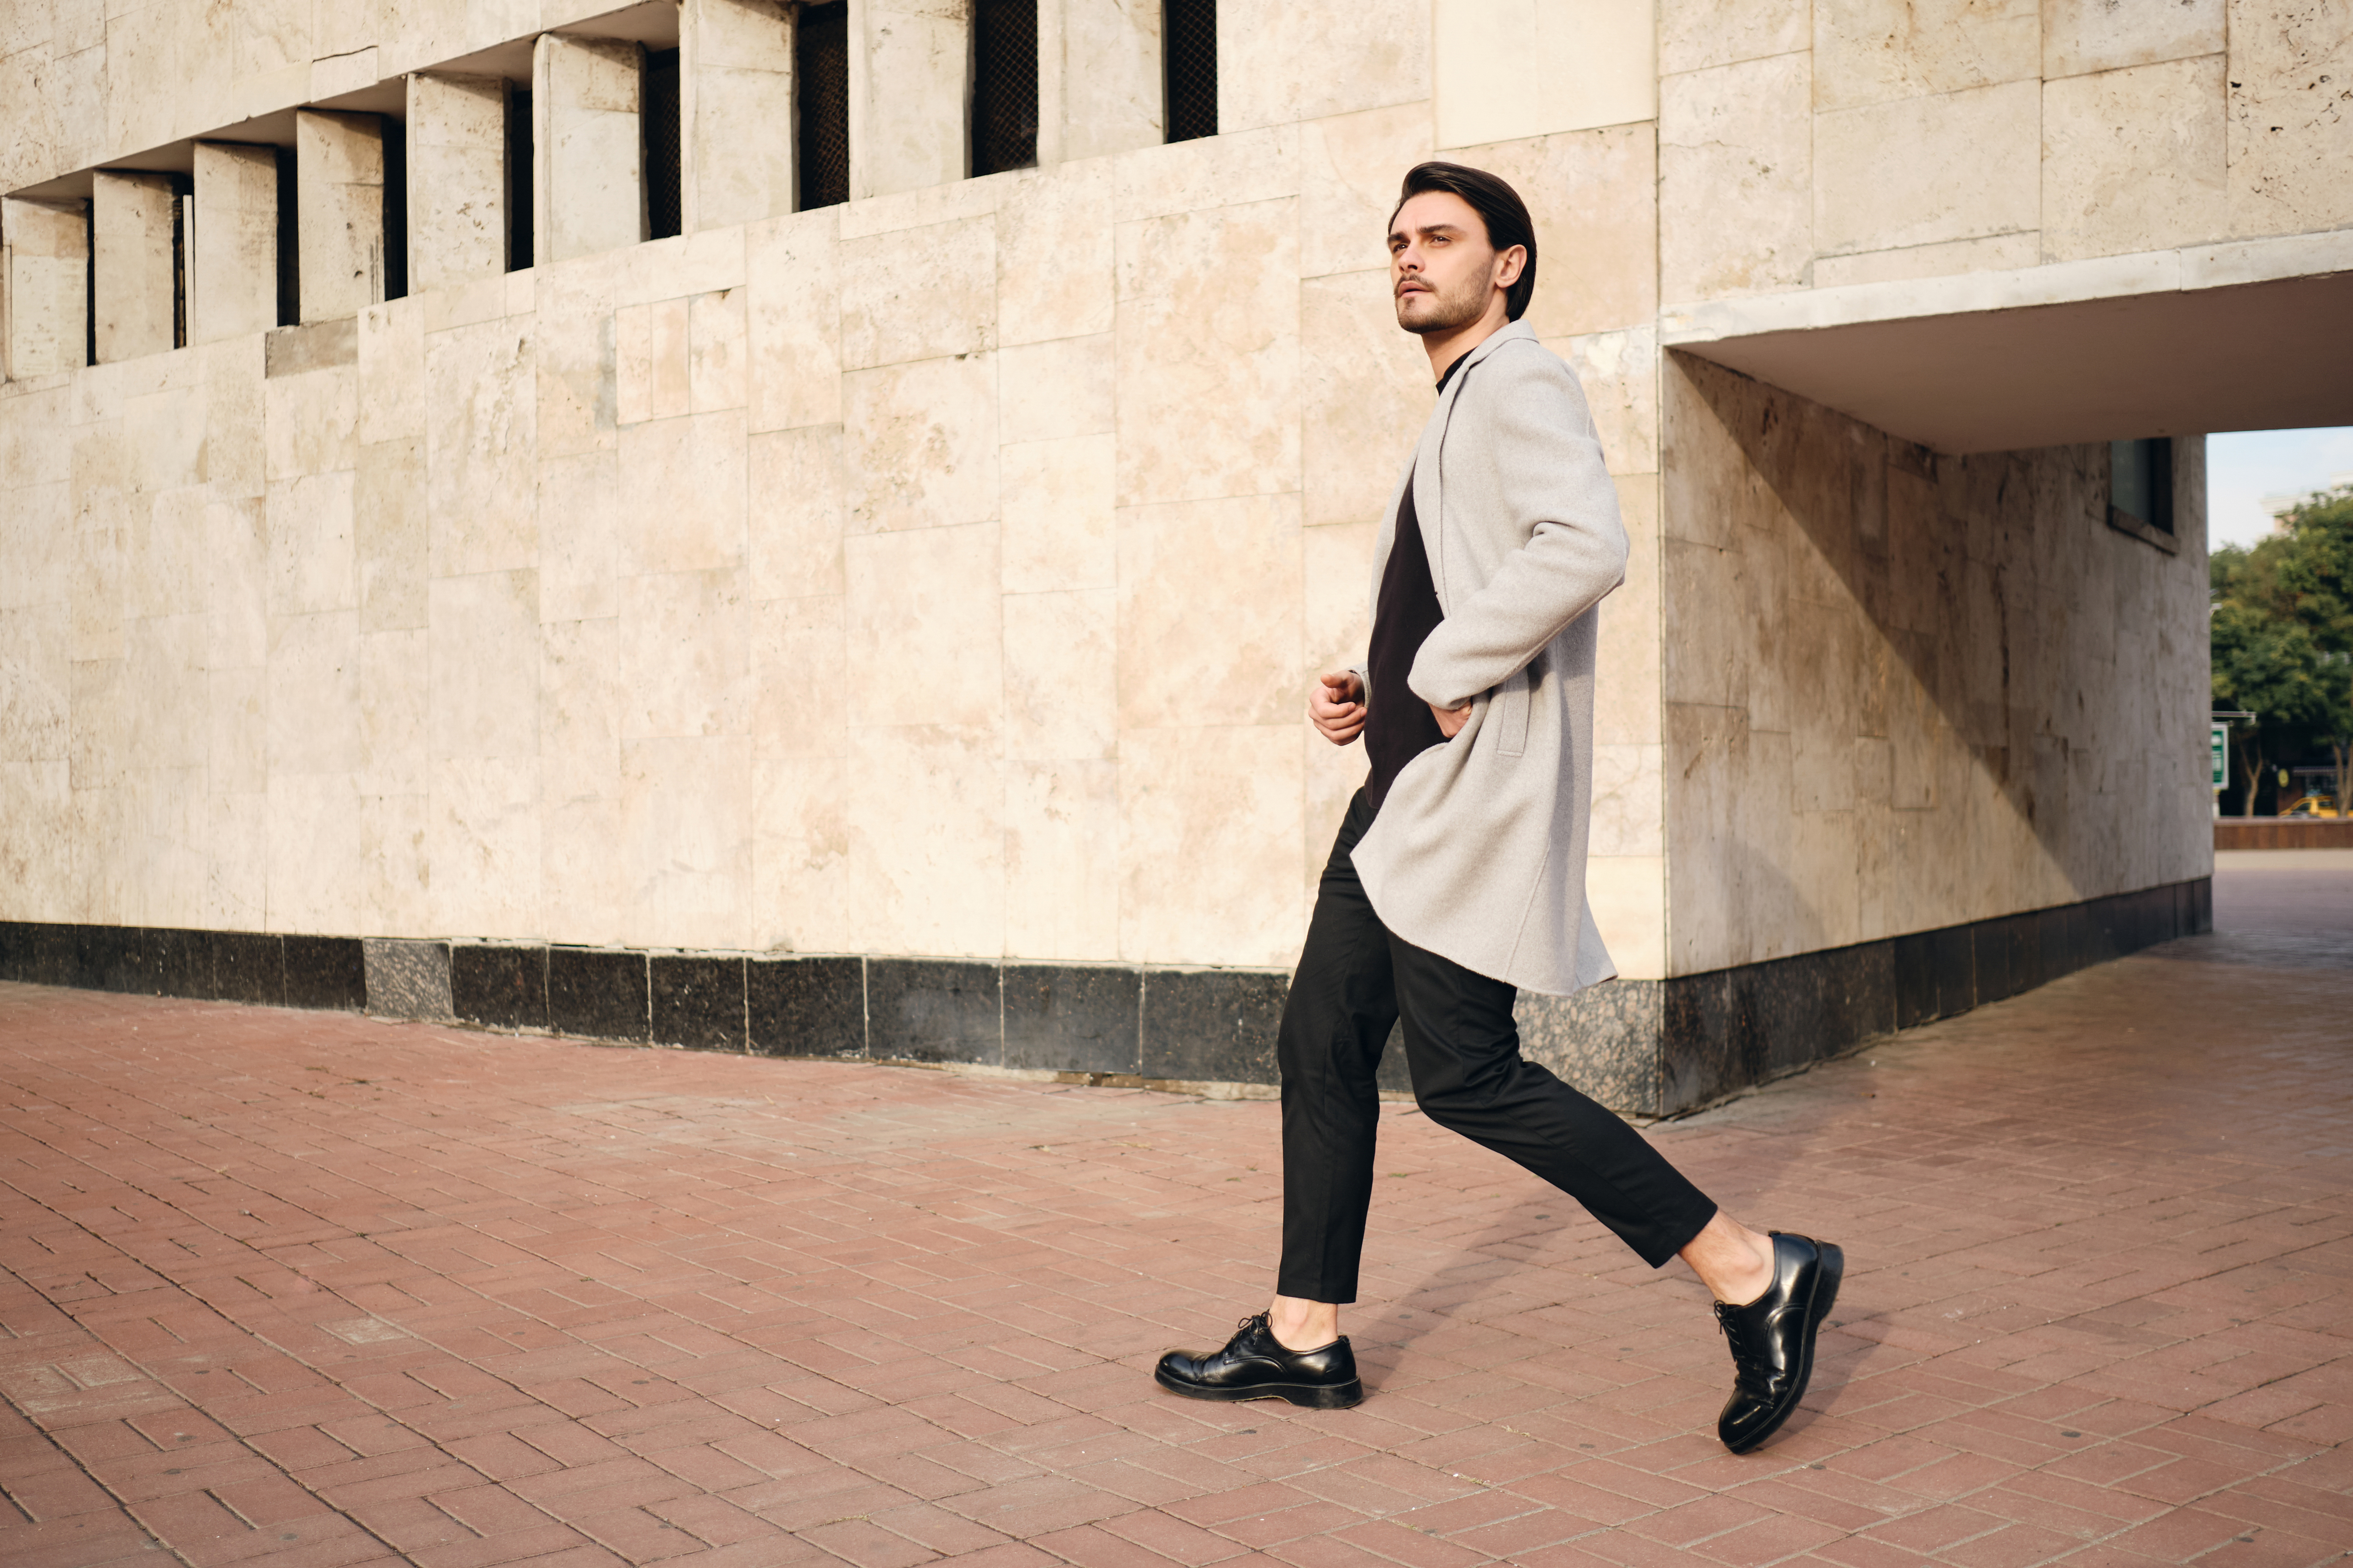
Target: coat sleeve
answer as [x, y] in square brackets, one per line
[1556, 495]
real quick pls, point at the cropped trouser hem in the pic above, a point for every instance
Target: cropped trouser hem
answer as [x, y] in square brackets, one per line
[1356, 980]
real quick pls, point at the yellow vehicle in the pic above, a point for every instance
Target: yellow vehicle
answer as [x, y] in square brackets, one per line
[2314, 805]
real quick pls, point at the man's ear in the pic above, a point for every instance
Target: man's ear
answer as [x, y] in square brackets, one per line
[1510, 265]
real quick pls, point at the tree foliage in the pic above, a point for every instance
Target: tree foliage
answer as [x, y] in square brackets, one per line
[2282, 638]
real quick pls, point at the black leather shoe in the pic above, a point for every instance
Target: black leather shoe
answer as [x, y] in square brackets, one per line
[1255, 1366]
[1773, 1340]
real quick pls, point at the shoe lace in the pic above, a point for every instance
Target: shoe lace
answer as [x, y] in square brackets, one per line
[1733, 1327]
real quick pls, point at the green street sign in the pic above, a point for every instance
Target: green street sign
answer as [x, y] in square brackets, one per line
[2219, 753]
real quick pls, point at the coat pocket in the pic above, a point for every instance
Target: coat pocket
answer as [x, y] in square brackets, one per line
[1511, 714]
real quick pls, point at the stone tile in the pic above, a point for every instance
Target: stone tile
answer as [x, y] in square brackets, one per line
[1208, 414]
[1072, 1019]
[1061, 860]
[1696, 34]
[807, 1006]
[1365, 393]
[1969, 167]
[920, 450]
[1380, 55]
[502, 988]
[2294, 178]
[698, 1002]
[1235, 564]
[597, 996]
[2133, 160]
[1211, 1024]
[1879, 51]
[1209, 861]
[933, 1010]
[407, 979]
[1735, 158]
[2080, 36]
[327, 972]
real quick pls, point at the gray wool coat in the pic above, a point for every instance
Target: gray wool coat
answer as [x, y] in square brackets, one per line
[1478, 854]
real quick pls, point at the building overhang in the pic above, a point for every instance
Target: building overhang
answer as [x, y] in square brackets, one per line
[2251, 336]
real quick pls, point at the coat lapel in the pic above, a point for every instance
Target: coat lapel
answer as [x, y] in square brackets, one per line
[1427, 471]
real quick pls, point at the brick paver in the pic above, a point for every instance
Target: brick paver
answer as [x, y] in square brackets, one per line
[300, 1289]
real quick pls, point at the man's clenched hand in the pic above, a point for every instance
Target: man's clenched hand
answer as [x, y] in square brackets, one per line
[1336, 703]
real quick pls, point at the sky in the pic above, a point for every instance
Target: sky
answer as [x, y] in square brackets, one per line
[2245, 467]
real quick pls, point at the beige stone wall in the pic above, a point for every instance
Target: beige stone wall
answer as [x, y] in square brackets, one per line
[1905, 691]
[939, 573]
[1859, 140]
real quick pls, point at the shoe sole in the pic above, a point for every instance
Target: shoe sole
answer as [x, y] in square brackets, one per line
[1337, 1396]
[1826, 1290]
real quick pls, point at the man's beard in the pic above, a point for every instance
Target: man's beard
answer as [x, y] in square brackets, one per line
[1446, 312]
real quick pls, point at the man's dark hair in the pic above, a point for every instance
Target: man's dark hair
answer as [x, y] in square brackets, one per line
[1498, 207]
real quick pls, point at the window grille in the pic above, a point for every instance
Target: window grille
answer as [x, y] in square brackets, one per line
[658, 104]
[289, 237]
[519, 179]
[1004, 86]
[821, 72]
[1189, 52]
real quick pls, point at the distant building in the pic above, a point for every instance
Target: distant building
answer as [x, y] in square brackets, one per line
[621, 491]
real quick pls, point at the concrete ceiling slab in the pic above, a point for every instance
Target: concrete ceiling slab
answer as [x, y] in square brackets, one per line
[2248, 337]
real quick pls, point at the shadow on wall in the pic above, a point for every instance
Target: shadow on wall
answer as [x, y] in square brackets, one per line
[1894, 621]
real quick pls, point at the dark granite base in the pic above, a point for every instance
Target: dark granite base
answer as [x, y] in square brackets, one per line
[1073, 1018]
[807, 1006]
[934, 1010]
[500, 987]
[597, 996]
[698, 1002]
[1647, 1047]
[1213, 1026]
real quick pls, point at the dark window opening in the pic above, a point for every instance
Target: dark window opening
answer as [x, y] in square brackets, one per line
[518, 177]
[396, 209]
[2140, 481]
[1004, 86]
[1188, 60]
[184, 198]
[821, 75]
[89, 281]
[665, 197]
[289, 233]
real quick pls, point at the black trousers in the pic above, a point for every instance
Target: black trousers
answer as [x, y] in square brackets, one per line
[1355, 982]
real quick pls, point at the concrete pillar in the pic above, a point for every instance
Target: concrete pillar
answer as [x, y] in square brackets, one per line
[457, 189]
[735, 111]
[45, 260]
[1099, 77]
[130, 233]
[588, 176]
[909, 64]
[233, 271]
[339, 178]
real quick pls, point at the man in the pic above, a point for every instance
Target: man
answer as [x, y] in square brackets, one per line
[1459, 873]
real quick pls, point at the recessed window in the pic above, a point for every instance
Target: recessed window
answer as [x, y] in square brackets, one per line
[519, 214]
[1003, 85]
[2140, 482]
[821, 103]
[396, 209]
[658, 114]
[290, 242]
[1188, 45]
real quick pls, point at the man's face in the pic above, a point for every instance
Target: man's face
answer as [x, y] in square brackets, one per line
[1442, 270]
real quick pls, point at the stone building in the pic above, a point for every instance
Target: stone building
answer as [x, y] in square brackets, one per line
[471, 482]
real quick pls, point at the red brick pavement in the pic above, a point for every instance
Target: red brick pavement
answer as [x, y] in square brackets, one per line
[300, 1288]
